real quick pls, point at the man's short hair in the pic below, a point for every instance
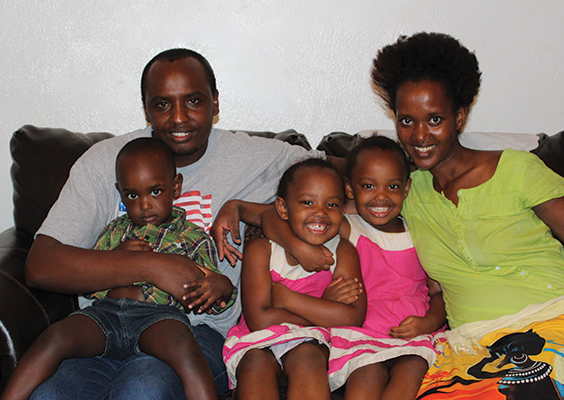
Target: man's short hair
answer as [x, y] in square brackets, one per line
[175, 55]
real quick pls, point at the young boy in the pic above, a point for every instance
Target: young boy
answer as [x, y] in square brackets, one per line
[136, 319]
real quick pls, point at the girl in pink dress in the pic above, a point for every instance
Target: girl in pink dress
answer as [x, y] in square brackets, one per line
[283, 334]
[388, 356]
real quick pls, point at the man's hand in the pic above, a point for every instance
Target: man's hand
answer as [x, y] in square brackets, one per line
[343, 290]
[411, 327]
[211, 288]
[227, 222]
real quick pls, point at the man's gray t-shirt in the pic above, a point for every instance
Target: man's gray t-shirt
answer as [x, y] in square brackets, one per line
[234, 166]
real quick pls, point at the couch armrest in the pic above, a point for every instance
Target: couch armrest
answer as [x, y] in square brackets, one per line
[24, 312]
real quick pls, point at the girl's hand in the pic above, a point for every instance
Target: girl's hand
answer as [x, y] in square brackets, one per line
[411, 327]
[212, 288]
[343, 290]
[227, 222]
[314, 258]
[134, 245]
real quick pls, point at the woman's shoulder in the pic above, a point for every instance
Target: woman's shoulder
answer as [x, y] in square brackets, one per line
[515, 162]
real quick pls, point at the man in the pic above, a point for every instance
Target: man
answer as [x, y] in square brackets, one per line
[180, 100]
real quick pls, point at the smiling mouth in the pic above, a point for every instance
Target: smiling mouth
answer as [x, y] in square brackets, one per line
[317, 228]
[379, 211]
[425, 149]
[181, 135]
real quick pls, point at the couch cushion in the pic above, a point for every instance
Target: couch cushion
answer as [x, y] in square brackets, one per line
[551, 151]
[338, 144]
[290, 136]
[41, 161]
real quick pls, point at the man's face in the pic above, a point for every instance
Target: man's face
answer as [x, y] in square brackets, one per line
[180, 107]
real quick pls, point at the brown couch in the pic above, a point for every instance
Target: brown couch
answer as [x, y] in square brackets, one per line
[42, 158]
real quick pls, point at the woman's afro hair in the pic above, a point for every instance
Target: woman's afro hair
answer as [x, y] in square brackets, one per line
[427, 56]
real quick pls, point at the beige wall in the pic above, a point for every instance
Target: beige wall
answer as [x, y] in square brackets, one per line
[279, 64]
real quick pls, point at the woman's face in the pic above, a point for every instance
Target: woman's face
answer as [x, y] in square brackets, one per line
[426, 124]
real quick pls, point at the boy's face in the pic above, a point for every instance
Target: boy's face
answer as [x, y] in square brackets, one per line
[147, 190]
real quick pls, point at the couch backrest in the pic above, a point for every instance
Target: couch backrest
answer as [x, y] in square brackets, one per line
[551, 151]
[41, 161]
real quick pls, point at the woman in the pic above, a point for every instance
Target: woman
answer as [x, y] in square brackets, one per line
[485, 223]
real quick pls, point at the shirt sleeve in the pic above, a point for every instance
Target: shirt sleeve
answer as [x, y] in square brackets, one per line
[87, 202]
[104, 239]
[540, 183]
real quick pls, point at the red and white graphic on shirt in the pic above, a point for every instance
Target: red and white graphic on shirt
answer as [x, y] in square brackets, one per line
[198, 208]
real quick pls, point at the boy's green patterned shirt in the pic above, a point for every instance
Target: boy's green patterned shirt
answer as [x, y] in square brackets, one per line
[178, 237]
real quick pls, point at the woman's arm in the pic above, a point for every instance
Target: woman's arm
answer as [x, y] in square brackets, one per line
[552, 214]
[324, 312]
[436, 315]
[256, 290]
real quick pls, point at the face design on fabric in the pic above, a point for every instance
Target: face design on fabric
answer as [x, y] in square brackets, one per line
[314, 206]
[378, 186]
[147, 190]
[180, 107]
[426, 124]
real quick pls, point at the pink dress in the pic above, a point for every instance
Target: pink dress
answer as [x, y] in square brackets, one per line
[280, 338]
[396, 287]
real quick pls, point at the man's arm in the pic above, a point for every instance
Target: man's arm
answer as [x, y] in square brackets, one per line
[227, 222]
[57, 267]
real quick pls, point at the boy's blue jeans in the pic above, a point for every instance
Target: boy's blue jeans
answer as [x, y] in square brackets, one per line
[138, 377]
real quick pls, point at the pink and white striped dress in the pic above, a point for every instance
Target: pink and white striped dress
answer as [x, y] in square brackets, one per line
[396, 287]
[240, 339]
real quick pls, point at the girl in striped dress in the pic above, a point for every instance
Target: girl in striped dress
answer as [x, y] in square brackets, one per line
[388, 356]
[283, 335]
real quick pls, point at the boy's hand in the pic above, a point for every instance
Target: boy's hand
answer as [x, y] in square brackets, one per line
[411, 327]
[134, 245]
[227, 222]
[343, 290]
[212, 288]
